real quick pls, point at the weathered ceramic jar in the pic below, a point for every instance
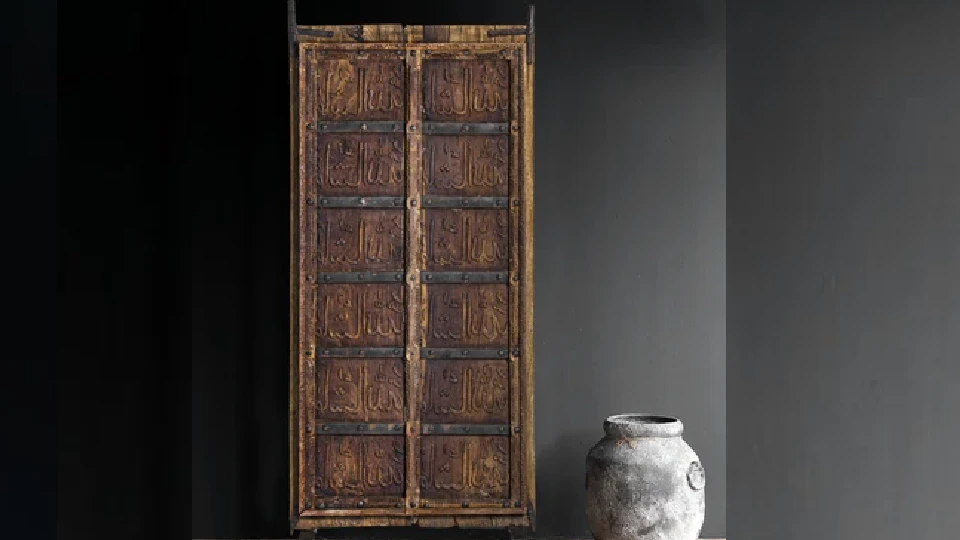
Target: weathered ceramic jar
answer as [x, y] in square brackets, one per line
[644, 482]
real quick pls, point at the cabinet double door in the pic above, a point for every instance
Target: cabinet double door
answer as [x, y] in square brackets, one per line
[412, 385]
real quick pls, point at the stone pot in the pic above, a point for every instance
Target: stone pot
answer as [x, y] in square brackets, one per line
[644, 482]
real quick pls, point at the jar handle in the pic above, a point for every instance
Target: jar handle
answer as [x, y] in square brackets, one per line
[695, 476]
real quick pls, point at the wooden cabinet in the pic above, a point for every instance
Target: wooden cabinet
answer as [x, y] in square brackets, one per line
[411, 397]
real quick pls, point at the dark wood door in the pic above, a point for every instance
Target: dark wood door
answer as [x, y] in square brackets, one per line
[411, 397]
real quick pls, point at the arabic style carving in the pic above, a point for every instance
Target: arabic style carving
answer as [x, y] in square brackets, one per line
[465, 467]
[350, 89]
[369, 465]
[469, 165]
[467, 239]
[359, 240]
[466, 392]
[360, 389]
[466, 90]
[360, 164]
[360, 315]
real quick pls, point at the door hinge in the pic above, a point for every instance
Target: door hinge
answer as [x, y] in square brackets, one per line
[529, 31]
[356, 32]
[314, 32]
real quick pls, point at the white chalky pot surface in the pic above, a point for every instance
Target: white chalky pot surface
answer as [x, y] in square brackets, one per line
[644, 482]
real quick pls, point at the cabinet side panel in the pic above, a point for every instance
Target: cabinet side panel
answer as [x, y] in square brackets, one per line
[295, 81]
[527, 286]
[306, 295]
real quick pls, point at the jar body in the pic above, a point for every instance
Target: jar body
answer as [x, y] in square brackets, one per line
[644, 486]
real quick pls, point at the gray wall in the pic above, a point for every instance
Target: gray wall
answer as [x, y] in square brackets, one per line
[844, 271]
[630, 236]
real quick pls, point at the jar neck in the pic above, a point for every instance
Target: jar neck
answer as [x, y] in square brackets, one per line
[635, 426]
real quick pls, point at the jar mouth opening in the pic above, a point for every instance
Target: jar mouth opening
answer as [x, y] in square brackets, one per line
[641, 419]
[636, 425]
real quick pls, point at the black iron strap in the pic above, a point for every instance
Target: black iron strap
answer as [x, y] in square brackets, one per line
[465, 429]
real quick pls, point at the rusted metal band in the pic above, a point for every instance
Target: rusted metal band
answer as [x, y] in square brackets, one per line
[354, 32]
[357, 126]
[531, 34]
[342, 428]
[467, 354]
[364, 352]
[292, 30]
[360, 277]
[465, 429]
[372, 502]
[464, 277]
[460, 128]
[465, 202]
[507, 32]
[361, 202]
[313, 32]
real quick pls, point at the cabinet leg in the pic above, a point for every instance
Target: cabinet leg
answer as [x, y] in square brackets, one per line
[520, 533]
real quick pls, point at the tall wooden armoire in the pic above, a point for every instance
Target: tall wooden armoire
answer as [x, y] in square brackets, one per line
[411, 370]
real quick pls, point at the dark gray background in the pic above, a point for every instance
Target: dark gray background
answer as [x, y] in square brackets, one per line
[841, 259]
[630, 237]
[843, 265]
[630, 278]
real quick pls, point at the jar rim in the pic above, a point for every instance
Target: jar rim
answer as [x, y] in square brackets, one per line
[634, 425]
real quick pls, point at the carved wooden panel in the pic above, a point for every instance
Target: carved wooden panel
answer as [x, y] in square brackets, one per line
[466, 165]
[465, 467]
[360, 315]
[360, 466]
[466, 90]
[360, 390]
[355, 89]
[472, 239]
[351, 240]
[466, 392]
[471, 315]
[353, 164]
